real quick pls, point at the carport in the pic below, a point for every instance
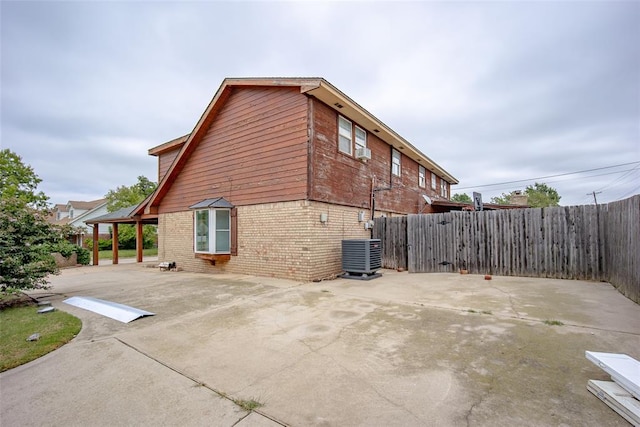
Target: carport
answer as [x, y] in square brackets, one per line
[129, 215]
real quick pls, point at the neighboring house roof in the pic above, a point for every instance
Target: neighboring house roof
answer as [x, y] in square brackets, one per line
[88, 214]
[86, 205]
[316, 87]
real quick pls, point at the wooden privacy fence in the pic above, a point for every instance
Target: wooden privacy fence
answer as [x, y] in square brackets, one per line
[575, 242]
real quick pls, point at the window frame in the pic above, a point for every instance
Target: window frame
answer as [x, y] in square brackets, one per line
[396, 166]
[443, 188]
[422, 176]
[212, 231]
[364, 140]
[350, 136]
[434, 184]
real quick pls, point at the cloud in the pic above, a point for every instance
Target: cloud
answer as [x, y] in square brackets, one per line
[492, 91]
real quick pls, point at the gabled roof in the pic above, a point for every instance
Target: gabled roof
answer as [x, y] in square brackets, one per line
[318, 88]
[86, 205]
[168, 146]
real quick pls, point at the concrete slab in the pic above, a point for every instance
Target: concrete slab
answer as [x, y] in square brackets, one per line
[107, 383]
[404, 349]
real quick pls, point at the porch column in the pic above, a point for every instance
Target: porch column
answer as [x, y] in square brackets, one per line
[95, 243]
[139, 241]
[114, 243]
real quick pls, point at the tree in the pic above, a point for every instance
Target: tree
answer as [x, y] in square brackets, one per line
[540, 195]
[461, 198]
[19, 181]
[25, 234]
[504, 199]
[123, 197]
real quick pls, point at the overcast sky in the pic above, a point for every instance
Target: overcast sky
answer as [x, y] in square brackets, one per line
[491, 91]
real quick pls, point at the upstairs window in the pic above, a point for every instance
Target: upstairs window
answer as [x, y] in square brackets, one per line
[422, 177]
[345, 135]
[433, 181]
[395, 162]
[443, 189]
[361, 138]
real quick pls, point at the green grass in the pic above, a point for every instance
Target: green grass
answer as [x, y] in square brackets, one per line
[18, 323]
[248, 405]
[553, 323]
[127, 253]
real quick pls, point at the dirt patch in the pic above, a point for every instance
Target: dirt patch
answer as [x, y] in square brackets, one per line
[19, 299]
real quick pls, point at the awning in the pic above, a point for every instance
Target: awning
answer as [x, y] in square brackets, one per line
[219, 202]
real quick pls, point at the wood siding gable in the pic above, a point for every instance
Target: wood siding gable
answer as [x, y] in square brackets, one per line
[253, 151]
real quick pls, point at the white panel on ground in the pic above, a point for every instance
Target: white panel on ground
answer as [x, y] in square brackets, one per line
[625, 370]
[120, 312]
[617, 399]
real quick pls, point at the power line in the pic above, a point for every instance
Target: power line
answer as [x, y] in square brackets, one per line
[548, 176]
[620, 178]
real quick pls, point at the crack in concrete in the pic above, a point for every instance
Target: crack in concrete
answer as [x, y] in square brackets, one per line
[513, 308]
[221, 394]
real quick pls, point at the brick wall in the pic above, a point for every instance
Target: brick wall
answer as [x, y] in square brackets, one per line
[284, 239]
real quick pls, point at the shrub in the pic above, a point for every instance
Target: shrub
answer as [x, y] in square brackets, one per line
[103, 244]
[84, 256]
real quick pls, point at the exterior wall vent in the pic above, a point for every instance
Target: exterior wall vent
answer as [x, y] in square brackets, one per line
[361, 256]
[363, 153]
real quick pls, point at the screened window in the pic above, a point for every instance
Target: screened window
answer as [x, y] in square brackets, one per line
[433, 181]
[345, 135]
[395, 162]
[212, 231]
[422, 176]
[361, 138]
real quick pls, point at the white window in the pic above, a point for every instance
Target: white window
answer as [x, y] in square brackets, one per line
[361, 138]
[443, 188]
[422, 176]
[345, 135]
[71, 214]
[212, 231]
[395, 162]
[433, 181]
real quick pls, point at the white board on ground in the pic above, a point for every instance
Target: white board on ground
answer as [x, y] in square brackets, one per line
[617, 399]
[625, 370]
[120, 312]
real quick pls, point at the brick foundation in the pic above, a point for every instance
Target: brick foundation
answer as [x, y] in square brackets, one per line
[285, 240]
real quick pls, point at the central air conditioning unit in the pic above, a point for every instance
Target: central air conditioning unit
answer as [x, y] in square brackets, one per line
[363, 154]
[361, 256]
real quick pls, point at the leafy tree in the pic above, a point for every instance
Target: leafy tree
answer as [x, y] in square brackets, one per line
[25, 234]
[18, 181]
[461, 198]
[504, 199]
[540, 195]
[123, 197]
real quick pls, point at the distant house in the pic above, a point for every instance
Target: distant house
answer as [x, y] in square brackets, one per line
[276, 173]
[76, 213]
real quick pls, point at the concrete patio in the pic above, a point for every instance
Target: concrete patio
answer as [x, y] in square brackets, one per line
[401, 350]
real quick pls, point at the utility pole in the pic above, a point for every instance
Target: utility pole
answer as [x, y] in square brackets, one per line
[594, 196]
